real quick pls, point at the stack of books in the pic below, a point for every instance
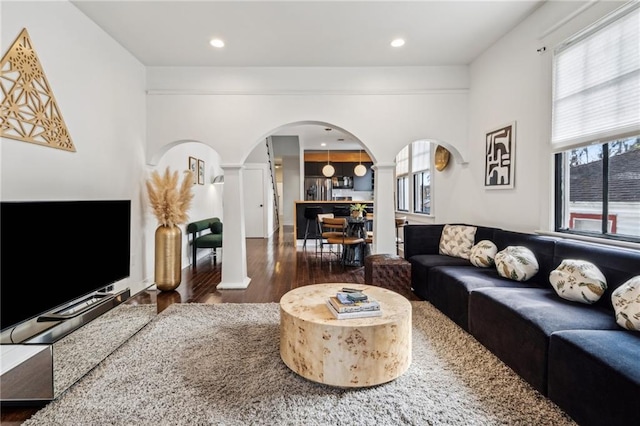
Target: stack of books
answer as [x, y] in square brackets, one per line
[351, 303]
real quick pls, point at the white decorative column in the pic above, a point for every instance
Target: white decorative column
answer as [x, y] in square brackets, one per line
[384, 209]
[234, 248]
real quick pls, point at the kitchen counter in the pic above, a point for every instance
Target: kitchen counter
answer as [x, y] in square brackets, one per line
[339, 208]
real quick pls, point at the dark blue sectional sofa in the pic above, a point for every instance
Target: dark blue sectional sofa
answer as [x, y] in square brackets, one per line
[574, 353]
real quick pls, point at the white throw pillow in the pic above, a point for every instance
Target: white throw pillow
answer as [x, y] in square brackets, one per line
[483, 254]
[578, 281]
[457, 240]
[516, 263]
[626, 304]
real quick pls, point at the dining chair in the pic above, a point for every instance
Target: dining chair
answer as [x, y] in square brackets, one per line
[339, 237]
[400, 223]
[369, 228]
[324, 231]
[330, 228]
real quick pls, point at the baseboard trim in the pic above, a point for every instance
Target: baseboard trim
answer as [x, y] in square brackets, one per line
[234, 286]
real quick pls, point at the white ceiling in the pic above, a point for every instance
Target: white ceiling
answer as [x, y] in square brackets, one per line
[307, 34]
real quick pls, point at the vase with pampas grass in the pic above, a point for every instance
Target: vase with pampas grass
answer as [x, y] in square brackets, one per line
[170, 203]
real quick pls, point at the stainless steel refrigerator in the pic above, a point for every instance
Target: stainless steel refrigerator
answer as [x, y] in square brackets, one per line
[317, 189]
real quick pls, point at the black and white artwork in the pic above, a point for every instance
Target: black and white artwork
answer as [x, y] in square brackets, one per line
[499, 171]
[193, 166]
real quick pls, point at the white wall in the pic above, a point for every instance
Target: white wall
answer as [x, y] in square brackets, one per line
[234, 109]
[290, 187]
[99, 88]
[511, 81]
[290, 174]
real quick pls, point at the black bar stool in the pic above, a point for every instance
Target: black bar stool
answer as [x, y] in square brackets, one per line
[341, 211]
[310, 214]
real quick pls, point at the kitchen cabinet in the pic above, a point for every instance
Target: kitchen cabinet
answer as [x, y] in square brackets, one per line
[339, 168]
[313, 168]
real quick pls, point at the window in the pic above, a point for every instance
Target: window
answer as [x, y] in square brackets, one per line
[414, 160]
[422, 192]
[595, 128]
[596, 182]
[421, 169]
[402, 191]
[402, 182]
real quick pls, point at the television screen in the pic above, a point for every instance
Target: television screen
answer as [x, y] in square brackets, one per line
[53, 252]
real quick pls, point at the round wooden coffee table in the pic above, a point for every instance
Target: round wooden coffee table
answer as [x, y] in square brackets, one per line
[356, 352]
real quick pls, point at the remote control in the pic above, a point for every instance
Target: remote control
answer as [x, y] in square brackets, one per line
[350, 290]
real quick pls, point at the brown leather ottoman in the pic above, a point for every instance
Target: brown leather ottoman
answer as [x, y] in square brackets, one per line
[388, 270]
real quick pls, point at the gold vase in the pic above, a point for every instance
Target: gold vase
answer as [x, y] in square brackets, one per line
[168, 270]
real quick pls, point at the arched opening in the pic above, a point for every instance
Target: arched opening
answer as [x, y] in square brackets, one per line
[179, 155]
[423, 170]
[283, 150]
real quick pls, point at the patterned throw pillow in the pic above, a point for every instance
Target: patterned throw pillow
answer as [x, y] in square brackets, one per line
[578, 281]
[457, 240]
[626, 304]
[483, 254]
[516, 263]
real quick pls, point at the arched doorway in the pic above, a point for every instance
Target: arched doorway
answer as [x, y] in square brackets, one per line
[285, 156]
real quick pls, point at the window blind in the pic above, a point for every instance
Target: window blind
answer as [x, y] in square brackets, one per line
[402, 161]
[596, 82]
[420, 156]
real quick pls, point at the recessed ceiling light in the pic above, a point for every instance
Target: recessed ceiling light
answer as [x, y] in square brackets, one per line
[216, 42]
[323, 144]
[397, 42]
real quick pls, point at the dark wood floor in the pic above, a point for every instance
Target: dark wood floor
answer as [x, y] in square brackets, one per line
[275, 266]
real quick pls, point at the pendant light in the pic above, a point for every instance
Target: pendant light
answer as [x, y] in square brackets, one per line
[328, 170]
[360, 170]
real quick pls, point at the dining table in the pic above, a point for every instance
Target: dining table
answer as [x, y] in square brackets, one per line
[354, 254]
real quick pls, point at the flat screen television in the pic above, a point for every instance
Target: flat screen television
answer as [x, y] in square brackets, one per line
[54, 252]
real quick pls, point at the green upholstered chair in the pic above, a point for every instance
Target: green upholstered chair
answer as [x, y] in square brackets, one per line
[205, 233]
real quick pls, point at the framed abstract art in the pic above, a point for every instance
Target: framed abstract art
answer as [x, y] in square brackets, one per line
[500, 155]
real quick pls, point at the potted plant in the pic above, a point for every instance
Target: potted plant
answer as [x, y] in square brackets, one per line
[357, 209]
[170, 204]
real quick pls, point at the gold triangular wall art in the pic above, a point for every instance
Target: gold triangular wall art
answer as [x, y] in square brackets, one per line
[29, 111]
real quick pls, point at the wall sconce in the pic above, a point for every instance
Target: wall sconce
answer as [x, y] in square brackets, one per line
[441, 158]
[360, 170]
[218, 179]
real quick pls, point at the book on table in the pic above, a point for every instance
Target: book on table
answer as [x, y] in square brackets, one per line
[343, 305]
[351, 315]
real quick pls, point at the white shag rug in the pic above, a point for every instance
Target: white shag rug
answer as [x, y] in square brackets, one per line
[197, 364]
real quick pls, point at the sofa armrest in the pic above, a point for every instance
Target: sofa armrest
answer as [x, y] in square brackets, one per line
[421, 239]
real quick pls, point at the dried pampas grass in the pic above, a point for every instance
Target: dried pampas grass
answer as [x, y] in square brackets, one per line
[170, 203]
